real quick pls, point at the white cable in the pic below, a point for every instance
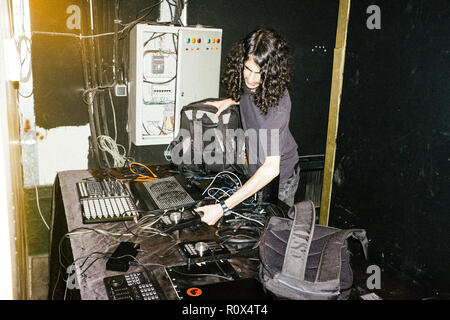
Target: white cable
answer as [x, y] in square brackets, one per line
[79, 36]
[167, 154]
[37, 200]
[222, 172]
[65, 291]
[91, 12]
[149, 226]
[219, 189]
[107, 144]
[100, 231]
[93, 91]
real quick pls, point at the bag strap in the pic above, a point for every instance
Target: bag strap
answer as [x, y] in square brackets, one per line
[196, 132]
[296, 255]
[361, 236]
[330, 265]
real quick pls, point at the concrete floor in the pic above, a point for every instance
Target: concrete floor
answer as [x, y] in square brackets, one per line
[38, 275]
[38, 236]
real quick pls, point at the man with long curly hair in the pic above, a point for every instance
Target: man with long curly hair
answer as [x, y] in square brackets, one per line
[257, 74]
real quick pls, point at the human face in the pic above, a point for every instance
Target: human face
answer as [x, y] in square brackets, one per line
[252, 73]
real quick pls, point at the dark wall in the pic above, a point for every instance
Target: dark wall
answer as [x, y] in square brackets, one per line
[56, 63]
[392, 161]
[391, 171]
[310, 28]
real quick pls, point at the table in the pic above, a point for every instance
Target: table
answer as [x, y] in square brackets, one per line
[80, 258]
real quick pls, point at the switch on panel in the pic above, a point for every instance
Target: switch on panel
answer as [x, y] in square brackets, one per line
[167, 73]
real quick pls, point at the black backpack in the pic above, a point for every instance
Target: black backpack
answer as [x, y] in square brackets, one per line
[188, 150]
[304, 261]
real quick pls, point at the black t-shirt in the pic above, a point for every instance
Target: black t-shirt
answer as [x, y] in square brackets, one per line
[268, 134]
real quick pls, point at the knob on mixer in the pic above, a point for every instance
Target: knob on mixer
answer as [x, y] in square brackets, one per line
[201, 247]
[175, 216]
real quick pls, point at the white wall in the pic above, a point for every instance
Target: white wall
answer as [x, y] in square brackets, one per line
[63, 148]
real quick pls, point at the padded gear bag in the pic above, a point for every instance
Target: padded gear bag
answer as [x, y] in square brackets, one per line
[189, 146]
[304, 261]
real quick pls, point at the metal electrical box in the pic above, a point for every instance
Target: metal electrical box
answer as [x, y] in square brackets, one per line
[170, 67]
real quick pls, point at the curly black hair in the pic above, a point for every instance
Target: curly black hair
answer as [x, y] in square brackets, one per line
[272, 54]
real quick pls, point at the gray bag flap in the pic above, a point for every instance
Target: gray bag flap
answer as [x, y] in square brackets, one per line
[330, 265]
[297, 249]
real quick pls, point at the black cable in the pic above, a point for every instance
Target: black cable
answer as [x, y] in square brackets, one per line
[126, 30]
[179, 7]
[217, 263]
[153, 37]
[239, 238]
[174, 42]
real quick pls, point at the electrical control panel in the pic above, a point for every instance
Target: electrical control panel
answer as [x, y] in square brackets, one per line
[170, 67]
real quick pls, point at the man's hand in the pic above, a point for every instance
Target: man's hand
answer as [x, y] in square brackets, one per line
[211, 213]
[221, 105]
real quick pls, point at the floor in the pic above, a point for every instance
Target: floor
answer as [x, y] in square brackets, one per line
[391, 285]
[38, 237]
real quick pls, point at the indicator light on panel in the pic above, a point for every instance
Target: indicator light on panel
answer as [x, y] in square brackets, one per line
[209, 40]
[193, 40]
[199, 40]
[188, 40]
[213, 40]
[218, 40]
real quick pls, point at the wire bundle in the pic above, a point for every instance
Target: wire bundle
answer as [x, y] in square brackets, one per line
[140, 173]
[141, 229]
[107, 144]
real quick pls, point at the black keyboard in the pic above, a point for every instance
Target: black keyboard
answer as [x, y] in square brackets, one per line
[106, 201]
[133, 286]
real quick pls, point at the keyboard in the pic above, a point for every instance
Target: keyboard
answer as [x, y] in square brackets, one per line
[133, 286]
[105, 201]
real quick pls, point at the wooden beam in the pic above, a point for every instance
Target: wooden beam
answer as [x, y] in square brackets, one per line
[11, 171]
[333, 116]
